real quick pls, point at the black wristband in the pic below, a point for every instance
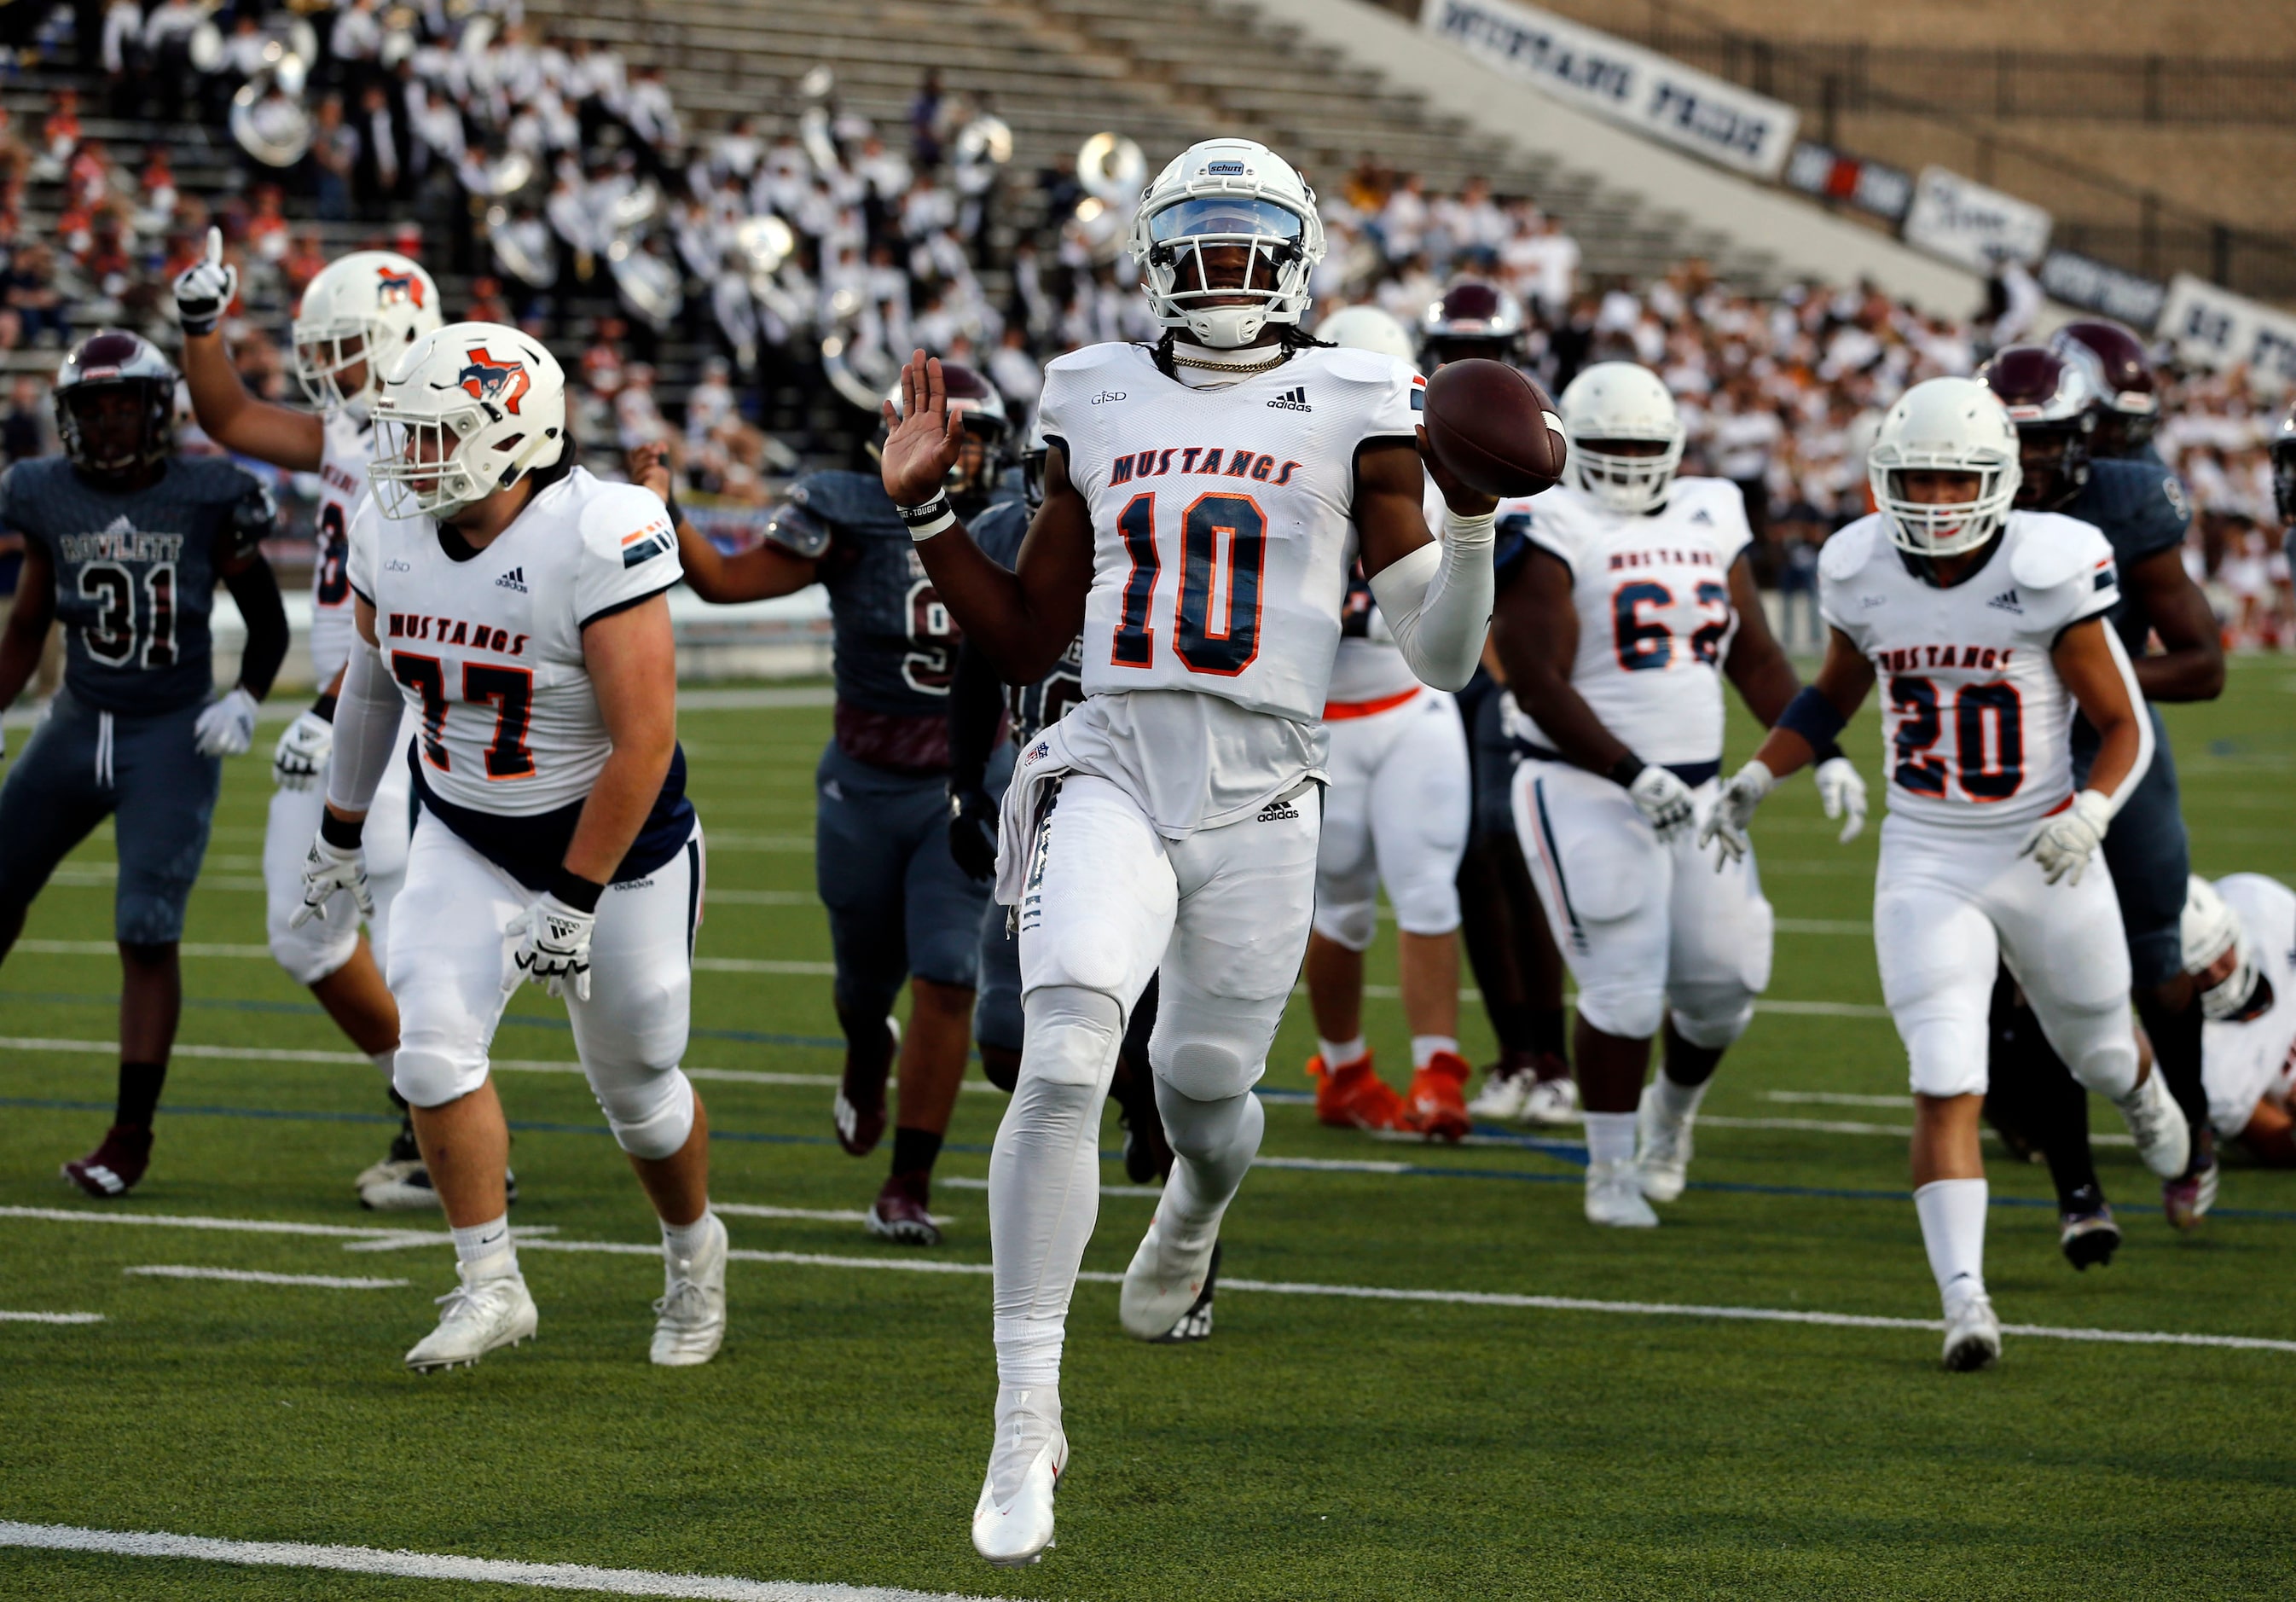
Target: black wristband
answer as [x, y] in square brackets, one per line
[343, 833]
[930, 511]
[1626, 770]
[196, 326]
[324, 709]
[580, 893]
[1826, 751]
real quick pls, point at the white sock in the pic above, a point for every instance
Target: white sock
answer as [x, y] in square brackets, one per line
[479, 1241]
[1425, 1046]
[1610, 1138]
[1027, 1416]
[1678, 1103]
[1953, 1227]
[1342, 1054]
[680, 1242]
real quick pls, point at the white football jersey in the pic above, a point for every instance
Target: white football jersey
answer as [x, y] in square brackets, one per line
[487, 645]
[1223, 519]
[347, 446]
[1976, 723]
[1653, 595]
[2242, 1064]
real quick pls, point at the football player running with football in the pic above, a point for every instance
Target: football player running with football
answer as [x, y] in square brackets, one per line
[518, 606]
[125, 542]
[1992, 628]
[1203, 498]
[1636, 601]
[357, 317]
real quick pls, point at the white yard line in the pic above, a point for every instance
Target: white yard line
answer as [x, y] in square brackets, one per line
[819, 1215]
[443, 1566]
[327, 1282]
[1501, 1299]
[9, 1318]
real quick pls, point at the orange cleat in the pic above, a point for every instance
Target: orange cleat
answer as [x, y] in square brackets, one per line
[1437, 1106]
[1354, 1097]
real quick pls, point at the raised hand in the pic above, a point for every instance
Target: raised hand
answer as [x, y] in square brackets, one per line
[648, 466]
[924, 441]
[205, 290]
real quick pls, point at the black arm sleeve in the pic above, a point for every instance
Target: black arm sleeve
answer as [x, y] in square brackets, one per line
[976, 703]
[256, 588]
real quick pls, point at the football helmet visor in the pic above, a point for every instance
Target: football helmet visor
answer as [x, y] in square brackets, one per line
[1226, 240]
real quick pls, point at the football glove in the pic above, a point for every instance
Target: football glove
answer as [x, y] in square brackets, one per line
[227, 727]
[2063, 843]
[1734, 812]
[972, 832]
[1662, 799]
[553, 946]
[1842, 793]
[206, 289]
[328, 869]
[300, 757]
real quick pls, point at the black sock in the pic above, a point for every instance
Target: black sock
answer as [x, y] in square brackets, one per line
[1547, 1035]
[915, 1150]
[1515, 1024]
[139, 1093]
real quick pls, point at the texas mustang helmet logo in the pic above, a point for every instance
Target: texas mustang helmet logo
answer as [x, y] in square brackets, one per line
[391, 288]
[487, 379]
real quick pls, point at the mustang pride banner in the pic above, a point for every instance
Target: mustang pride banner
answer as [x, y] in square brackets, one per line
[1651, 93]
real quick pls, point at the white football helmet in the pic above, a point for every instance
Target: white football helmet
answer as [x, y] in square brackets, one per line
[1227, 192]
[468, 411]
[1368, 328]
[2211, 930]
[1945, 425]
[1613, 401]
[368, 307]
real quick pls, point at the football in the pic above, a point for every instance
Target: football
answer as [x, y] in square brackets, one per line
[1494, 427]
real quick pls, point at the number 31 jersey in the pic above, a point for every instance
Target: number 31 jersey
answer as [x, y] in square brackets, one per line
[1976, 726]
[486, 645]
[1653, 595]
[1223, 519]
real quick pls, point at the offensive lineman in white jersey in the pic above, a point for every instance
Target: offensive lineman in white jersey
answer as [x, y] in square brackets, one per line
[1990, 627]
[1204, 499]
[1635, 602]
[518, 605]
[358, 315]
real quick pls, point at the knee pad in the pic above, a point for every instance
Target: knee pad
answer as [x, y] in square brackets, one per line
[1206, 1131]
[1630, 1012]
[1713, 1018]
[320, 948]
[1426, 904]
[651, 1114]
[1071, 1035]
[2102, 1053]
[1944, 1057]
[1348, 923]
[428, 1077]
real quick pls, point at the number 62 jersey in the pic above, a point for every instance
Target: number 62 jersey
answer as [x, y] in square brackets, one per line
[1976, 724]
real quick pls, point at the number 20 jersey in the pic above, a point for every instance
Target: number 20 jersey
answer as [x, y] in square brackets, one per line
[1223, 519]
[1976, 726]
[1653, 595]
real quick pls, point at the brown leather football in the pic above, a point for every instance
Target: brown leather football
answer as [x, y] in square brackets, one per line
[1492, 428]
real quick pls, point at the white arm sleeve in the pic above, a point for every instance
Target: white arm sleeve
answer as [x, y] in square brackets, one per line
[1437, 601]
[2118, 798]
[366, 730]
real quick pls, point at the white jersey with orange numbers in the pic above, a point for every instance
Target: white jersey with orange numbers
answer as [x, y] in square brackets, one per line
[346, 446]
[1652, 591]
[1976, 725]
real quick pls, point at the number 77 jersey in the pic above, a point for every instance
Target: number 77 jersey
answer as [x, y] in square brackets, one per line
[486, 646]
[1976, 725]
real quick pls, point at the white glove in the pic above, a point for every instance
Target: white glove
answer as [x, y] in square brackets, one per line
[206, 289]
[227, 727]
[1662, 799]
[300, 757]
[2063, 844]
[1842, 793]
[1734, 812]
[328, 869]
[554, 946]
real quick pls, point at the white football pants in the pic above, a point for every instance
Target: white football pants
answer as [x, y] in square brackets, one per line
[322, 946]
[1396, 814]
[1224, 916]
[452, 974]
[1646, 929]
[1950, 903]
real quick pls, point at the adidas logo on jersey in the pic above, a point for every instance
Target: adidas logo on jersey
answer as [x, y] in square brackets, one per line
[1293, 400]
[514, 579]
[1278, 810]
[2007, 601]
[1702, 516]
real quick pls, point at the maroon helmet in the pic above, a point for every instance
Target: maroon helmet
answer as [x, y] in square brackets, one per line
[2127, 394]
[2053, 403]
[1472, 319]
[980, 408]
[115, 400]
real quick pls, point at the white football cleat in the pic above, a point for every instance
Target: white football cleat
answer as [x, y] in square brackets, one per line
[1164, 1284]
[489, 1310]
[690, 1320]
[1013, 1521]
[1503, 1095]
[1614, 1196]
[1551, 1102]
[2164, 1141]
[1662, 1149]
[1972, 1334]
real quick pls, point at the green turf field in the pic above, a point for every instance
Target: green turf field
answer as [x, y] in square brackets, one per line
[1319, 1446]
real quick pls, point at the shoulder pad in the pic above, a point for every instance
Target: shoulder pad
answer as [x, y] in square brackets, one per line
[2052, 550]
[798, 530]
[617, 504]
[1361, 366]
[1850, 548]
[1087, 357]
[254, 514]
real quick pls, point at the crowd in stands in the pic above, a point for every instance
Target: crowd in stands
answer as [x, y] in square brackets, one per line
[536, 168]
